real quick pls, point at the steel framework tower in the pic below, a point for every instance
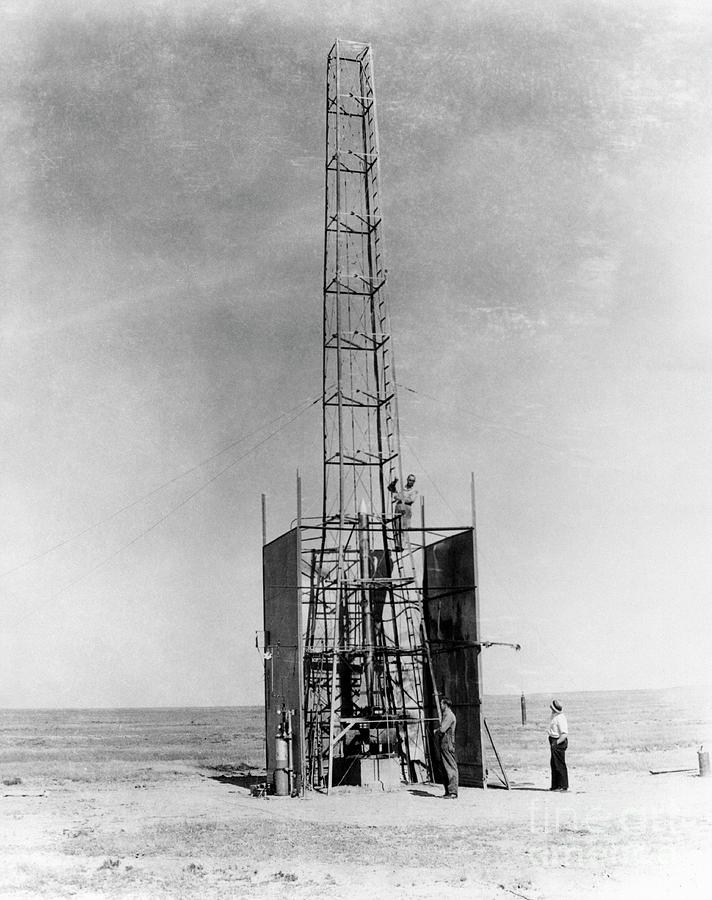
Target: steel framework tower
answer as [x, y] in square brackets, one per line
[363, 641]
[355, 649]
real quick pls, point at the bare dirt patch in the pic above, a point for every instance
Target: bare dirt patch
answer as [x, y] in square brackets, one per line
[154, 803]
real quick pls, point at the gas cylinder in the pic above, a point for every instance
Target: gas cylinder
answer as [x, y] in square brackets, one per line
[281, 766]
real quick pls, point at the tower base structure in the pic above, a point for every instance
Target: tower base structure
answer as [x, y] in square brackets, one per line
[334, 740]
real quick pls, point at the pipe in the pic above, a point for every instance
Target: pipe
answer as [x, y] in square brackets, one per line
[290, 753]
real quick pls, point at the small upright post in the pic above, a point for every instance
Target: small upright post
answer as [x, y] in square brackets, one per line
[523, 702]
[299, 499]
[472, 502]
[264, 520]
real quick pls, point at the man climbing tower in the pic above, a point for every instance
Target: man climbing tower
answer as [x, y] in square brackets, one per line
[402, 508]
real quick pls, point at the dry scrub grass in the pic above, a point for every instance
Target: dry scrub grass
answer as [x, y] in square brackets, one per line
[141, 803]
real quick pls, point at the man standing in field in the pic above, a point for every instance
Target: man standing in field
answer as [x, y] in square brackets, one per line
[446, 734]
[558, 742]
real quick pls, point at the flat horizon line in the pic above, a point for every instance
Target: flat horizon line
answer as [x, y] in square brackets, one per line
[679, 687]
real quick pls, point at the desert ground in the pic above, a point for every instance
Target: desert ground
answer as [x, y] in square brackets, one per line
[157, 803]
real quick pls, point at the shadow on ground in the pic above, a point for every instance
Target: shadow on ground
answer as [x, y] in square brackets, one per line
[525, 787]
[238, 778]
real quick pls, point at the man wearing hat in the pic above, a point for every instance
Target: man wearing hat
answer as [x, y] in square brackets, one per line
[558, 742]
[446, 734]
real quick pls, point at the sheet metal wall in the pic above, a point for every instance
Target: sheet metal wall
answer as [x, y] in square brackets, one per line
[452, 622]
[283, 638]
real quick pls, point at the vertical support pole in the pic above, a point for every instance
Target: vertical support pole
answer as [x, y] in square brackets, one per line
[421, 593]
[367, 637]
[422, 526]
[299, 787]
[477, 619]
[523, 701]
[340, 407]
[299, 500]
[337, 260]
[264, 520]
[474, 539]
[332, 705]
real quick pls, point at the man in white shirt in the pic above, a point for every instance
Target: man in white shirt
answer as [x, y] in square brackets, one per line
[558, 742]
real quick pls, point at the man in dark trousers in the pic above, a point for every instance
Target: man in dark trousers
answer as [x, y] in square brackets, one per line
[446, 734]
[558, 742]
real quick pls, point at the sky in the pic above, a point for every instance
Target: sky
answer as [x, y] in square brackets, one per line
[545, 169]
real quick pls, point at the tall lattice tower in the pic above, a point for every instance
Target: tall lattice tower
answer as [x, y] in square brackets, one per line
[355, 649]
[363, 647]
